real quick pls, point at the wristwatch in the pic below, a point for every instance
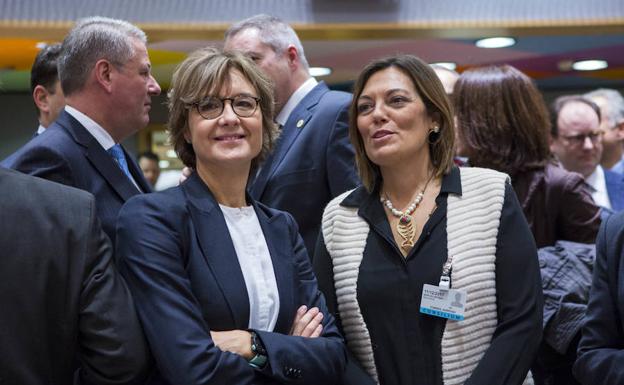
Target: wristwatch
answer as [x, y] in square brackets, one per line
[257, 348]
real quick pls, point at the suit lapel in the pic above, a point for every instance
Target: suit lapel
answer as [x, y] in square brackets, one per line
[99, 158]
[259, 182]
[296, 123]
[136, 172]
[276, 234]
[217, 248]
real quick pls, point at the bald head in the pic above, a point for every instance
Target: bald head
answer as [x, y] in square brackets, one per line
[447, 77]
[578, 143]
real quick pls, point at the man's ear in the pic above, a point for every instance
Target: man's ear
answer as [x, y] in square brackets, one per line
[104, 74]
[40, 96]
[293, 57]
[619, 130]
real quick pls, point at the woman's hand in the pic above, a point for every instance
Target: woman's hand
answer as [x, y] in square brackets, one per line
[186, 172]
[234, 341]
[307, 323]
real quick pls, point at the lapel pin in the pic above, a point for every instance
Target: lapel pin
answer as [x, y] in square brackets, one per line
[300, 123]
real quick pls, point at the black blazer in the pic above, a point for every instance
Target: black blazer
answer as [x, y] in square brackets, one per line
[313, 161]
[62, 300]
[67, 153]
[180, 264]
[601, 350]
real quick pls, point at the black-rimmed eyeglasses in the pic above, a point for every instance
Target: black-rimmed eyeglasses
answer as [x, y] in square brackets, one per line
[212, 107]
[579, 140]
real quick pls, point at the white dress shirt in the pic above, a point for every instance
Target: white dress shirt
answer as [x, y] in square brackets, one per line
[598, 186]
[256, 265]
[294, 100]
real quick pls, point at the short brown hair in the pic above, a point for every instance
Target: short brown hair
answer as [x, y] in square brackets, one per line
[502, 119]
[430, 90]
[205, 72]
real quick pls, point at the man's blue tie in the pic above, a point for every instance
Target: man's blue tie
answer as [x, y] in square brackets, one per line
[117, 153]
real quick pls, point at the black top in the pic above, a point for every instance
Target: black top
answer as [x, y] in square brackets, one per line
[407, 344]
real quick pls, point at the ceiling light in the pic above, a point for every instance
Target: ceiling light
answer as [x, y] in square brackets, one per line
[41, 45]
[495, 42]
[320, 71]
[164, 164]
[449, 65]
[589, 65]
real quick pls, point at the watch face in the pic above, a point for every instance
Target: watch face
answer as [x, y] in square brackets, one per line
[256, 345]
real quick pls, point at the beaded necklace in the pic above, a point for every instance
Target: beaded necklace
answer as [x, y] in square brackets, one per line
[405, 226]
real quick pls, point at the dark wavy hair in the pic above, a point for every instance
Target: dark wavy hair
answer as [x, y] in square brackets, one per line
[430, 89]
[502, 120]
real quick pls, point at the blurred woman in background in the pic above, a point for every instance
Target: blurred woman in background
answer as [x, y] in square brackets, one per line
[503, 124]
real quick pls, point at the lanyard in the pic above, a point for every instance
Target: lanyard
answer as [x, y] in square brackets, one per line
[445, 278]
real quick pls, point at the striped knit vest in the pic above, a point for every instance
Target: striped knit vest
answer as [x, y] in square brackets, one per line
[472, 228]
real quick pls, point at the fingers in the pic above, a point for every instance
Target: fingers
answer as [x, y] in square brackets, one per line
[317, 332]
[313, 325]
[186, 172]
[307, 324]
[300, 312]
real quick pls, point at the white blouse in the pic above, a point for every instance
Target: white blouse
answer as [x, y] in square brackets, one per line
[256, 265]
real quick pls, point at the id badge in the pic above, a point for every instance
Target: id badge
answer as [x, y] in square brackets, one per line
[444, 303]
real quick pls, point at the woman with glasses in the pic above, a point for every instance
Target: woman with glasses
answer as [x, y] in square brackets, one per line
[223, 284]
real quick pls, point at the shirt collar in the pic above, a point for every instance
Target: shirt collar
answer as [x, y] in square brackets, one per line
[597, 180]
[40, 129]
[598, 184]
[97, 131]
[294, 100]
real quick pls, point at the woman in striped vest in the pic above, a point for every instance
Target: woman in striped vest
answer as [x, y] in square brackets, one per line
[431, 270]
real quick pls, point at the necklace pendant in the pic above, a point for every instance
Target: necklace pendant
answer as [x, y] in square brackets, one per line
[407, 245]
[406, 230]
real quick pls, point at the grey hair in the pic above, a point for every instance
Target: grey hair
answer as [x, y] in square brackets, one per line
[614, 100]
[273, 32]
[93, 39]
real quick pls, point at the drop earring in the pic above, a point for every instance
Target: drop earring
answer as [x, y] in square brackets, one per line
[434, 134]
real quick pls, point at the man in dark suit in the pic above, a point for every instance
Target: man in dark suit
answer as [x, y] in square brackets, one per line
[601, 350]
[62, 301]
[105, 76]
[615, 189]
[313, 160]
